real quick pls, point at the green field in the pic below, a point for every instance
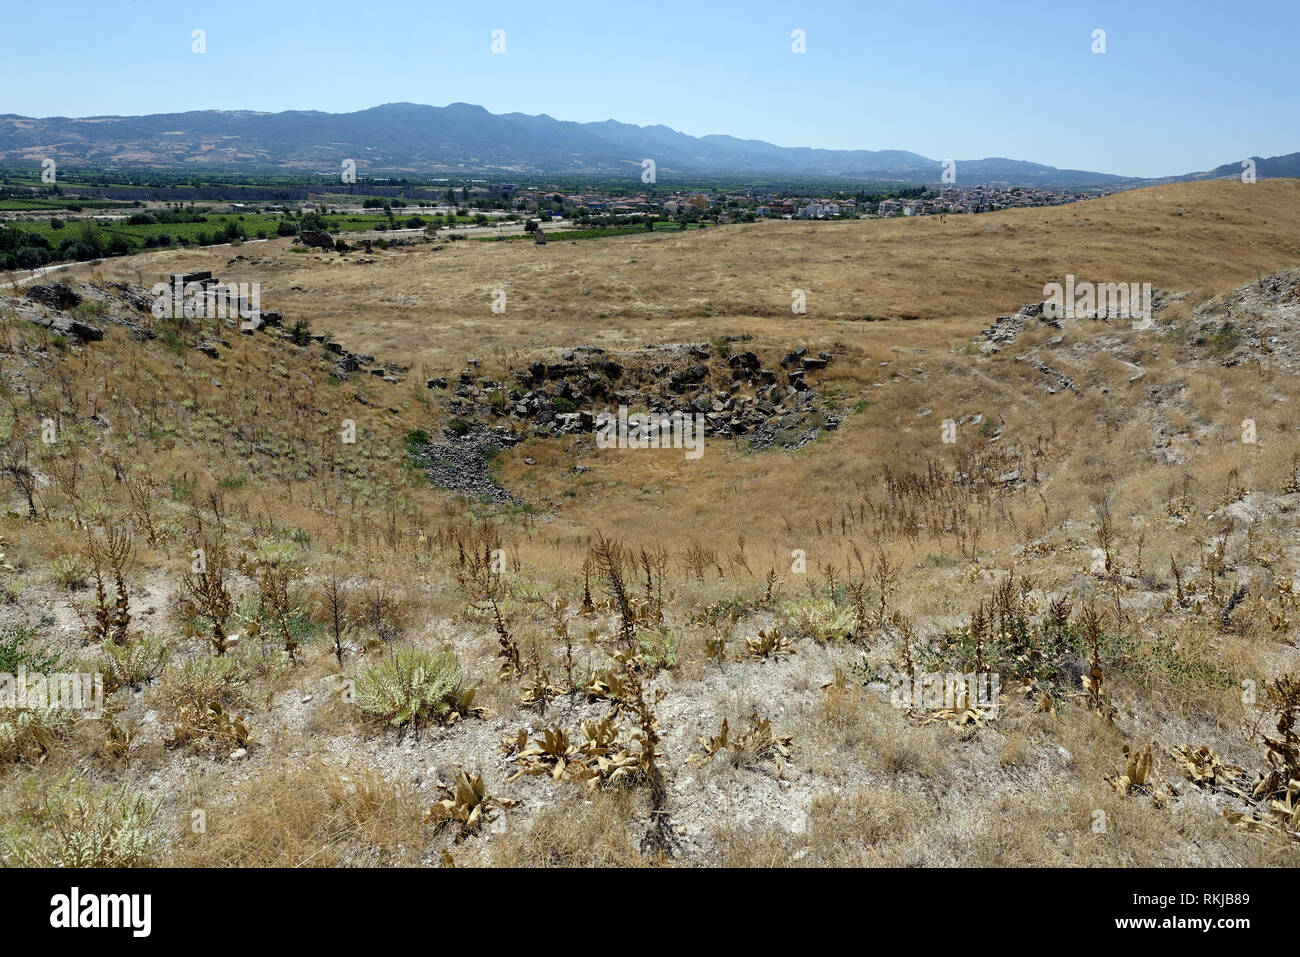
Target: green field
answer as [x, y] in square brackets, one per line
[213, 228]
[37, 205]
[136, 235]
[65, 238]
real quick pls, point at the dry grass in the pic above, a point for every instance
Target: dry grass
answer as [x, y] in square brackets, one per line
[307, 816]
[178, 448]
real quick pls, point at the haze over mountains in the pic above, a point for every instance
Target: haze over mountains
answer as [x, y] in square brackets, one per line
[463, 138]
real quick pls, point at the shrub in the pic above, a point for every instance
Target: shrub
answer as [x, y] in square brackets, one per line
[141, 659]
[409, 685]
[1223, 341]
[70, 571]
[29, 733]
[17, 651]
[30, 257]
[12, 590]
[202, 679]
[75, 827]
[818, 618]
[658, 647]
[202, 694]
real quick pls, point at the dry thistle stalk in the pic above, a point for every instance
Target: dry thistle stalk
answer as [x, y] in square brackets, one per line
[560, 626]
[206, 586]
[335, 598]
[858, 592]
[1091, 625]
[659, 838]
[274, 575]
[541, 691]
[610, 558]
[588, 606]
[480, 578]
[113, 555]
[773, 586]
[886, 578]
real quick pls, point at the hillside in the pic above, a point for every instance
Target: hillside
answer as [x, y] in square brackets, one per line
[678, 660]
[431, 304]
[463, 138]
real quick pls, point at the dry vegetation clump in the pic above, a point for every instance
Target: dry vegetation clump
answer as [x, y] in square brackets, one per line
[74, 826]
[309, 816]
[409, 685]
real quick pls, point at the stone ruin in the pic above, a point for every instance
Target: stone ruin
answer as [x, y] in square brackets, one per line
[734, 392]
[318, 240]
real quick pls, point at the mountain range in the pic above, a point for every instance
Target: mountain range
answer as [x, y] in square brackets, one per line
[463, 138]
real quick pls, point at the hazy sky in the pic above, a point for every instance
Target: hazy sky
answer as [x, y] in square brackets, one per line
[1182, 86]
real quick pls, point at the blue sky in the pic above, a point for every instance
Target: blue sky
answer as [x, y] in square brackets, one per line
[1182, 86]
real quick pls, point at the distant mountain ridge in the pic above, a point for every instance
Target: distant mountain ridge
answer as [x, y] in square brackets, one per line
[463, 138]
[1272, 167]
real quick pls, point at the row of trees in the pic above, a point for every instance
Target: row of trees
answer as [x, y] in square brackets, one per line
[23, 250]
[30, 250]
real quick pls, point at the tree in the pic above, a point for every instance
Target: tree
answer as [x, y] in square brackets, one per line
[90, 235]
[29, 257]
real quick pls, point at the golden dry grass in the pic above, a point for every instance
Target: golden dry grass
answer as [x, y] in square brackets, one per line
[250, 441]
[430, 310]
[434, 308]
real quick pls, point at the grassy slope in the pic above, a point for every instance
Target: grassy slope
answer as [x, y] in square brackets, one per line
[274, 418]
